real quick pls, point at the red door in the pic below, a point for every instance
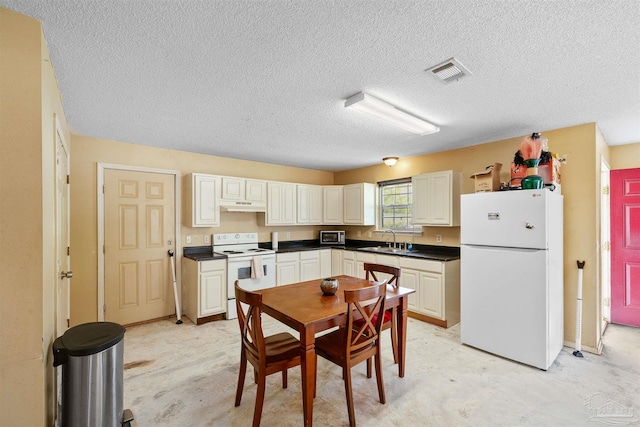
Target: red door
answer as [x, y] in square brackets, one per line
[625, 246]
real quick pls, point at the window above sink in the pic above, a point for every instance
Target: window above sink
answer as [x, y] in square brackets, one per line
[396, 205]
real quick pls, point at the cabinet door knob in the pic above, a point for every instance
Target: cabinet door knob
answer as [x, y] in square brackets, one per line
[529, 226]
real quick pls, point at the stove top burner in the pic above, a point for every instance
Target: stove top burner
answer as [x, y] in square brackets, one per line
[250, 252]
[239, 245]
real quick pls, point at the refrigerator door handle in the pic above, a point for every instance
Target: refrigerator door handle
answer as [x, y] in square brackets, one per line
[504, 248]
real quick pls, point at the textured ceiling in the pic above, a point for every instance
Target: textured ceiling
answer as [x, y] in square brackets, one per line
[267, 80]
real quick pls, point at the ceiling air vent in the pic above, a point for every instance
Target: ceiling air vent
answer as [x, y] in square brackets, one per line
[448, 71]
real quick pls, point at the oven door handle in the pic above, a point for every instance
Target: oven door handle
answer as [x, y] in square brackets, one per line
[248, 258]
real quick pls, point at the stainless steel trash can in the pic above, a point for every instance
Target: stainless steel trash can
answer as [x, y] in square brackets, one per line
[91, 356]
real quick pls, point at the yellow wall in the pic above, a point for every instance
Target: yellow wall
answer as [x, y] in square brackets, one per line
[87, 152]
[625, 156]
[582, 145]
[30, 98]
[580, 179]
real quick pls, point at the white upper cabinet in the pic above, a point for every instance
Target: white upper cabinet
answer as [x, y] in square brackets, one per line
[309, 204]
[204, 205]
[360, 204]
[255, 190]
[436, 198]
[233, 188]
[241, 192]
[281, 203]
[332, 204]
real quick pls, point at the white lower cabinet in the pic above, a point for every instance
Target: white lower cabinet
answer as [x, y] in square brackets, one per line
[437, 286]
[292, 267]
[287, 268]
[349, 263]
[309, 265]
[325, 263]
[436, 283]
[361, 259]
[205, 285]
[336, 262]
[431, 295]
[390, 260]
[410, 279]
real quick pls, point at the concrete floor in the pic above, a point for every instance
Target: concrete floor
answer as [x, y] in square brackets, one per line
[185, 375]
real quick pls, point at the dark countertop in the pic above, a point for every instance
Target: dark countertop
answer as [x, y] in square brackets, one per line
[201, 253]
[438, 253]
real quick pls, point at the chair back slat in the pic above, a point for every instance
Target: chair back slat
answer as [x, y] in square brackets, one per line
[250, 321]
[371, 270]
[365, 332]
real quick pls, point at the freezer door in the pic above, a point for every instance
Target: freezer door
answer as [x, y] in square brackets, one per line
[516, 219]
[504, 304]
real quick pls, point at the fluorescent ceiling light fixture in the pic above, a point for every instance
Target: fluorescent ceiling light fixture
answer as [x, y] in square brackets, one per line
[389, 113]
[390, 161]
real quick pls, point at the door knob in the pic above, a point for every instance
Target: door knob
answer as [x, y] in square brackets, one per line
[529, 226]
[66, 274]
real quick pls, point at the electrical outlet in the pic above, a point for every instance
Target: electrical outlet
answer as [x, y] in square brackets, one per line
[207, 239]
[370, 234]
[438, 238]
[187, 239]
[288, 235]
[359, 233]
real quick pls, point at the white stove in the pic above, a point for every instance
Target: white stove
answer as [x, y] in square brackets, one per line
[238, 244]
[253, 267]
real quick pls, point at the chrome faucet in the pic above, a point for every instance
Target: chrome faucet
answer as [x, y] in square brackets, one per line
[394, 236]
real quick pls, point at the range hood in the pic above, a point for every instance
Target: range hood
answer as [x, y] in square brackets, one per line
[242, 206]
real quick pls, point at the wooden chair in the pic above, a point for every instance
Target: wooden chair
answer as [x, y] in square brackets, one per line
[353, 344]
[275, 353]
[390, 316]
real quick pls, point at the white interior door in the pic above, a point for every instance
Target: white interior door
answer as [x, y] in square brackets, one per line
[62, 233]
[139, 229]
[605, 253]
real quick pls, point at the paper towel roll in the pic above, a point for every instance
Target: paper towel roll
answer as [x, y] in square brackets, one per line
[274, 240]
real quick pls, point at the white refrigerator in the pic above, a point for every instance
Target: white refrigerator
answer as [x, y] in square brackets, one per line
[511, 260]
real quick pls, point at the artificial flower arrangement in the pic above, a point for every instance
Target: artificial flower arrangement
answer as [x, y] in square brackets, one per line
[534, 159]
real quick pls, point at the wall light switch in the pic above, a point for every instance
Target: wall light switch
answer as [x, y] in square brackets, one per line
[370, 234]
[187, 239]
[359, 233]
[207, 239]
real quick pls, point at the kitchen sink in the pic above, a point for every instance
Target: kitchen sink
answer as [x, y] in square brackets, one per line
[384, 249]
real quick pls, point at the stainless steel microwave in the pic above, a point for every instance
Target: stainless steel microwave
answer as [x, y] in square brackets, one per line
[332, 237]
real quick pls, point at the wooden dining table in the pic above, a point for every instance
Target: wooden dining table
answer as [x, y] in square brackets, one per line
[303, 307]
